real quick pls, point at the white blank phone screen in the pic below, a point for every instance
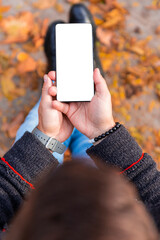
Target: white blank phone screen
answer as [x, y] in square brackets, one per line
[74, 62]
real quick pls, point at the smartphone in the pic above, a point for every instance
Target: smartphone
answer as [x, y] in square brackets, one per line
[74, 62]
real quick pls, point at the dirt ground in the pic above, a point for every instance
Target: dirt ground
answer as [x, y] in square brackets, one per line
[141, 23]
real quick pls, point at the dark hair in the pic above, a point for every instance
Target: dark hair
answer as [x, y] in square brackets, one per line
[78, 202]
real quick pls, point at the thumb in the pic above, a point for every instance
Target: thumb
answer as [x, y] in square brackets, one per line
[46, 85]
[100, 83]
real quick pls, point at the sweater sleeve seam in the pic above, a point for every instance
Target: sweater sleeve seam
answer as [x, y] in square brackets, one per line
[17, 174]
[133, 164]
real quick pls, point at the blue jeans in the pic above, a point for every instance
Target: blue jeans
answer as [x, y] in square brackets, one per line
[77, 142]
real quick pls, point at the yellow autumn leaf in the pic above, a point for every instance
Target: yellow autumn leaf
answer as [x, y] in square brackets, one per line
[151, 105]
[22, 56]
[136, 134]
[59, 7]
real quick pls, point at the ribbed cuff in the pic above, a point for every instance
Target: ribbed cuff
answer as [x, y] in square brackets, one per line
[119, 149]
[29, 157]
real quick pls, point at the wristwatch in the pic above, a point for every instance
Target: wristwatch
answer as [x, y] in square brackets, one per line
[50, 143]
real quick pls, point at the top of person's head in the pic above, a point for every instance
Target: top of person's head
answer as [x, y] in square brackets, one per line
[78, 202]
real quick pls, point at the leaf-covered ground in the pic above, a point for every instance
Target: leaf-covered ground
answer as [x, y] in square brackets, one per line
[129, 48]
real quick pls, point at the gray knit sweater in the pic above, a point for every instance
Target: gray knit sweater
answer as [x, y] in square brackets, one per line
[28, 158]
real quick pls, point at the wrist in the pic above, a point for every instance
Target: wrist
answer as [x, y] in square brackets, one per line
[103, 129]
[108, 132]
[48, 133]
[50, 143]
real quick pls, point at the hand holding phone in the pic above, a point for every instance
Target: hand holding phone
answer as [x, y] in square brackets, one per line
[90, 118]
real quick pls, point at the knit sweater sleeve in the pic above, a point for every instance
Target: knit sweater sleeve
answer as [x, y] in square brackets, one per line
[18, 170]
[121, 150]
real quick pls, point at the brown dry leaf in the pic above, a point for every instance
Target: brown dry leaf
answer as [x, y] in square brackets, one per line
[28, 65]
[9, 89]
[17, 28]
[113, 18]
[39, 42]
[41, 68]
[4, 61]
[158, 89]
[105, 36]
[120, 7]
[30, 81]
[157, 137]
[59, 7]
[44, 27]
[29, 47]
[67, 155]
[96, 10]
[7, 83]
[44, 4]
[112, 22]
[157, 30]
[12, 127]
[136, 50]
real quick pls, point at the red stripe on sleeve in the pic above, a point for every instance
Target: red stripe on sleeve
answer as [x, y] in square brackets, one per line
[31, 185]
[133, 164]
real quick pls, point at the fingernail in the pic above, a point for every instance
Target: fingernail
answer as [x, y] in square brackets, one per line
[45, 78]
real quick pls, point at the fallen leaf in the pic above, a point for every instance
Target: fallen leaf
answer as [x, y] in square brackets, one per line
[44, 27]
[4, 9]
[158, 89]
[67, 155]
[17, 28]
[136, 50]
[41, 4]
[105, 36]
[22, 56]
[12, 127]
[136, 134]
[59, 7]
[41, 68]
[28, 65]
[157, 31]
[151, 105]
[9, 89]
[39, 42]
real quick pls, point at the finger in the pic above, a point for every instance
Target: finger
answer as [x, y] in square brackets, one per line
[46, 85]
[100, 83]
[62, 107]
[52, 75]
[52, 91]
